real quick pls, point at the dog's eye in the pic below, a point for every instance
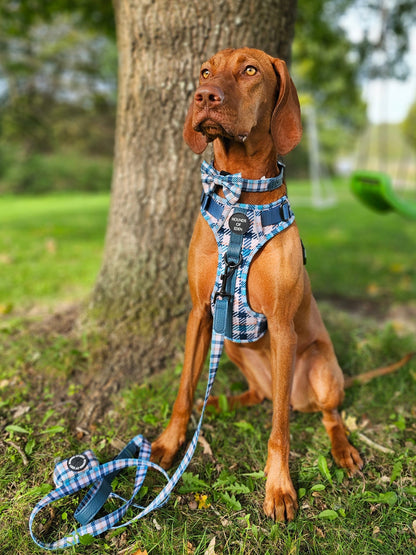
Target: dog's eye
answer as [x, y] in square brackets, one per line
[205, 73]
[250, 70]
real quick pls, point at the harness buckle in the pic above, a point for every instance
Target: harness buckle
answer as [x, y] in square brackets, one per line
[285, 211]
[204, 200]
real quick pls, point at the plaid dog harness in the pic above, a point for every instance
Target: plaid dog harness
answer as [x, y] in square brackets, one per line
[241, 230]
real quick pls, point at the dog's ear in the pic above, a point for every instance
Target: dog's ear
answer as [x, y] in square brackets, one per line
[286, 125]
[196, 141]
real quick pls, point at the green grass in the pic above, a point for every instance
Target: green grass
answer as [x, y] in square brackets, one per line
[50, 247]
[354, 252]
[353, 256]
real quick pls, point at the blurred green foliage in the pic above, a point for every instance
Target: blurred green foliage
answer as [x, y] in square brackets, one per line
[38, 173]
[57, 100]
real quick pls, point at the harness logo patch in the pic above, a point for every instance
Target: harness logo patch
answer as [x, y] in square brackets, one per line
[239, 223]
[77, 463]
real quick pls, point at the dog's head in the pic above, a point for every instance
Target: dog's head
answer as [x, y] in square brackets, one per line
[244, 92]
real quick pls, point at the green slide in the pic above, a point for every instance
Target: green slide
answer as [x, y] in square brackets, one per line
[375, 190]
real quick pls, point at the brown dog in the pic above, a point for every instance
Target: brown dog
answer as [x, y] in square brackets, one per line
[247, 105]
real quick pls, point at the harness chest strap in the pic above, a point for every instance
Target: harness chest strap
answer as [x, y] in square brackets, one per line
[224, 297]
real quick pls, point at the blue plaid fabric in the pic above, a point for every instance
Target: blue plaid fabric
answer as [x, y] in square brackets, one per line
[233, 184]
[70, 481]
[247, 325]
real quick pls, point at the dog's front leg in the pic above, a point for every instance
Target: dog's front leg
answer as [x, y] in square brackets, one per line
[281, 499]
[198, 335]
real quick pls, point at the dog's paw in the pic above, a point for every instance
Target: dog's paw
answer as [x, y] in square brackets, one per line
[160, 455]
[348, 457]
[280, 505]
[280, 502]
[164, 449]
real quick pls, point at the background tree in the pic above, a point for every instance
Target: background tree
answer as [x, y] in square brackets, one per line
[57, 101]
[61, 78]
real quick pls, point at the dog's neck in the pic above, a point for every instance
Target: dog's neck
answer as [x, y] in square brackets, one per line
[252, 162]
[248, 158]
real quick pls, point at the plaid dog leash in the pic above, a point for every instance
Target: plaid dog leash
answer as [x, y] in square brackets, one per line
[84, 470]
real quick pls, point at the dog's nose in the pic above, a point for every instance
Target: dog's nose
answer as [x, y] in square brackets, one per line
[209, 96]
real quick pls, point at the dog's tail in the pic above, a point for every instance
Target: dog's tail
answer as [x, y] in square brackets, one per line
[382, 371]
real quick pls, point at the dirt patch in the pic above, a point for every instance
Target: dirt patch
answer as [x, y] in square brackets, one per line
[61, 321]
[378, 312]
[358, 307]
[403, 317]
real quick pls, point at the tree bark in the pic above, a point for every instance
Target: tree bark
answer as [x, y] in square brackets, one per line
[141, 292]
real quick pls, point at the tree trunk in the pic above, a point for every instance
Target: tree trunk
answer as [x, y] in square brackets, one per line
[141, 292]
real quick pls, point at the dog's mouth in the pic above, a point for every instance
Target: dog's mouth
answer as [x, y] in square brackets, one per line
[212, 130]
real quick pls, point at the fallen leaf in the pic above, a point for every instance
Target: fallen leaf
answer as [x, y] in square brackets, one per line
[117, 443]
[50, 246]
[193, 505]
[414, 526]
[20, 410]
[205, 446]
[211, 547]
[351, 423]
[6, 308]
[5, 258]
[373, 289]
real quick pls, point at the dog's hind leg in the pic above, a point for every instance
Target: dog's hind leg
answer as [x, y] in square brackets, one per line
[254, 363]
[319, 386]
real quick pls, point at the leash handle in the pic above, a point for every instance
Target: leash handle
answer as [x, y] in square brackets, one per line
[99, 493]
[104, 473]
[96, 475]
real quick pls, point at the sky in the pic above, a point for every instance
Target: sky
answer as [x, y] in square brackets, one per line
[388, 101]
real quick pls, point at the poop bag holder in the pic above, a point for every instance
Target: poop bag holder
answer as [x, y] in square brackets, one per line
[84, 470]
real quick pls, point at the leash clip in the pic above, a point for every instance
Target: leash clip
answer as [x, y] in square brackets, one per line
[229, 269]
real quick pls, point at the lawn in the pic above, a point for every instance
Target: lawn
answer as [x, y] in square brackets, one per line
[362, 267]
[50, 248]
